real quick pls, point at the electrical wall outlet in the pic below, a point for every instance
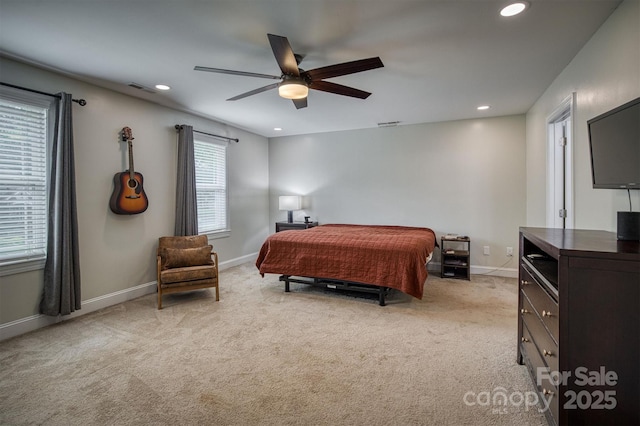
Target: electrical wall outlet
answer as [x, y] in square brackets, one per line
[487, 251]
[509, 251]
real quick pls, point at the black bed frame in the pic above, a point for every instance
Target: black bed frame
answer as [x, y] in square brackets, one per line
[337, 284]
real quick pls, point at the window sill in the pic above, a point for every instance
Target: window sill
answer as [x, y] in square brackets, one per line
[218, 234]
[20, 266]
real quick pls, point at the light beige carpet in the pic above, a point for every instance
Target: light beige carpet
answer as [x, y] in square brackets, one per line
[264, 357]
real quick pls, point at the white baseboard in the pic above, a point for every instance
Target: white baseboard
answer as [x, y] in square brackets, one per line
[481, 270]
[34, 322]
[238, 261]
[498, 272]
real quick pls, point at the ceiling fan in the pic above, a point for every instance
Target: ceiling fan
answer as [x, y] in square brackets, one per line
[295, 82]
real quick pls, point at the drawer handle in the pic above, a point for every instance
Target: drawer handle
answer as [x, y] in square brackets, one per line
[524, 339]
[524, 282]
[524, 311]
[547, 353]
[546, 313]
[547, 392]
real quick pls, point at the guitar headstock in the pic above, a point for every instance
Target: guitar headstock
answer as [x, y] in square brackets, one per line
[126, 134]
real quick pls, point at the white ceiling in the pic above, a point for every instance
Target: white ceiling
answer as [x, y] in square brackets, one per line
[442, 58]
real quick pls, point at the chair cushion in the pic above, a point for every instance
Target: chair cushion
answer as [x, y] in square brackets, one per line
[189, 241]
[193, 273]
[184, 257]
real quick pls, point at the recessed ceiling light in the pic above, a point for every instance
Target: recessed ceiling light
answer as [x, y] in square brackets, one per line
[514, 8]
[162, 87]
[277, 129]
[483, 107]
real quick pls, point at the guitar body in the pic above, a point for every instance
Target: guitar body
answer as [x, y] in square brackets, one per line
[128, 194]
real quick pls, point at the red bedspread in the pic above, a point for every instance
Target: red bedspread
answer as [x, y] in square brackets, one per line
[389, 256]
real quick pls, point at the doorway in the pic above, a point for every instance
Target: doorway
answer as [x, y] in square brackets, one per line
[560, 212]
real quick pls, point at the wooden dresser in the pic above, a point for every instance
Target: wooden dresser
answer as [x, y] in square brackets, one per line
[579, 324]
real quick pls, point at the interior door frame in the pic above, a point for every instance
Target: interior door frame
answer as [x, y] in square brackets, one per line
[565, 110]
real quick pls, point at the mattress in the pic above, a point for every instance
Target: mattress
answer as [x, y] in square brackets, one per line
[387, 256]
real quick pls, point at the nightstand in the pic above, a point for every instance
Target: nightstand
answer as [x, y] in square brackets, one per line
[455, 258]
[287, 226]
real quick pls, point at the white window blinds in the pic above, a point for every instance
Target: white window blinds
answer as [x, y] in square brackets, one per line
[23, 181]
[211, 184]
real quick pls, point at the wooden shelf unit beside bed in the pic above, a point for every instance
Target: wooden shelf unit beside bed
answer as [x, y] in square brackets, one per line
[455, 259]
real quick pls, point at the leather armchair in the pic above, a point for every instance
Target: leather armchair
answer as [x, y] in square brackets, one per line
[186, 263]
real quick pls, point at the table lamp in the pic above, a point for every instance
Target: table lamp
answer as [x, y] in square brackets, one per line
[290, 203]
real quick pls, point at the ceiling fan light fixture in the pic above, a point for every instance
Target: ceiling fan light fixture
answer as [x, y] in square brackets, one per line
[293, 89]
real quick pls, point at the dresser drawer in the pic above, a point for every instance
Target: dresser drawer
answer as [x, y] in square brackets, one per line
[547, 391]
[544, 305]
[547, 347]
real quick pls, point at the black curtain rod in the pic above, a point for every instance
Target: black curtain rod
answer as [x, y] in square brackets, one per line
[82, 102]
[236, 140]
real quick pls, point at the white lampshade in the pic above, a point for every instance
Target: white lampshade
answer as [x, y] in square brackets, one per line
[290, 202]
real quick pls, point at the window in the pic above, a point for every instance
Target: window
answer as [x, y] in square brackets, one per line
[211, 185]
[24, 131]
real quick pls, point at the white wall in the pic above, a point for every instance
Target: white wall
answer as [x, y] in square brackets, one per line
[118, 252]
[604, 74]
[465, 177]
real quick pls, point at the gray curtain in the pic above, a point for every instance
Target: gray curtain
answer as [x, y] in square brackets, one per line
[186, 203]
[61, 294]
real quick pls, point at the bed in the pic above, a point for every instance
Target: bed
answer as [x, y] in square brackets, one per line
[371, 258]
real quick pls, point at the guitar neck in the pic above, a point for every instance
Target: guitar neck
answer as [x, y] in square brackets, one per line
[131, 172]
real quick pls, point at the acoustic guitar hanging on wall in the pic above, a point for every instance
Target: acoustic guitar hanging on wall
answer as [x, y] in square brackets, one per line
[128, 194]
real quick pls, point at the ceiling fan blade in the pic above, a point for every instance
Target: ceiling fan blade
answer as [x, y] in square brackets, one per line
[300, 103]
[284, 55]
[232, 72]
[255, 91]
[339, 89]
[344, 68]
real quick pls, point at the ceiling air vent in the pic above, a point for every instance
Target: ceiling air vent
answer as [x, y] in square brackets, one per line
[389, 124]
[141, 87]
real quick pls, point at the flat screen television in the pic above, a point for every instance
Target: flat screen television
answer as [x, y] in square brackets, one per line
[614, 141]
